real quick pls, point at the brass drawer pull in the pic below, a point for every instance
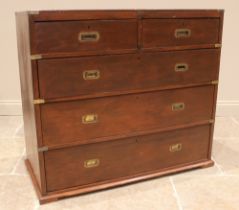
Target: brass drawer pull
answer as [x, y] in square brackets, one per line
[91, 36]
[91, 74]
[182, 33]
[178, 106]
[175, 147]
[181, 67]
[90, 118]
[91, 163]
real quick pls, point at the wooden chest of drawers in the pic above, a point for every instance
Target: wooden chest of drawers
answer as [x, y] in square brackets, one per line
[114, 97]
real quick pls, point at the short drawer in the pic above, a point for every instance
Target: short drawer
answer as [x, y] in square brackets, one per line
[89, 119]
[178, 32]
[106, 161]
[75, 36]
[72, 77]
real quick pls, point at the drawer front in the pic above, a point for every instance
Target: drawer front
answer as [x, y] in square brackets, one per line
[89, 164]
[74, 36]
[91, 75]
[178, 32]
[84, 120]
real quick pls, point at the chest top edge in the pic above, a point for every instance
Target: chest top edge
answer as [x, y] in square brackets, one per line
[61, 15]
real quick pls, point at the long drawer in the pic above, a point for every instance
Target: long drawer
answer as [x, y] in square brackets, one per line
[88, 35]
[177, 32]
[85, 120]
[107, 74]
[93, 163]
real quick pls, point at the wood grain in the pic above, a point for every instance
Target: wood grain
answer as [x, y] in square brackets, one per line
[124, 157]
[148, 14]
[63, 37]
[62, 122]
[216, 88]
[161, 32]
[28, 91]
[63, 15]
[133, 99]
[59, 78]
[60, 194]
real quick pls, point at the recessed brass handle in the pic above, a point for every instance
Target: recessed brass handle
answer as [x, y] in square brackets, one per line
[91, 163]
[90, 118]
[89, 36]
[175, 147]
[182, 33]
[181, 67]
[91, 74]
[178, 106]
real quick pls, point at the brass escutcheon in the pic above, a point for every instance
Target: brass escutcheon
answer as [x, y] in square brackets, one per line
[181, 67]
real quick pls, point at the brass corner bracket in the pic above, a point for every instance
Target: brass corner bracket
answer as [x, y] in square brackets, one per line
[43, 149]
[211, 121]
[214, 82]
[33, 12]
[38, 101]
[36, 57]
[218, 45]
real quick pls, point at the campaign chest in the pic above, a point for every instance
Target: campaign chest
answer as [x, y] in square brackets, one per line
[114, 97]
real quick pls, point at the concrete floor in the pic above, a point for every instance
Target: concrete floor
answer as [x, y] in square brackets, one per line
[215, 188]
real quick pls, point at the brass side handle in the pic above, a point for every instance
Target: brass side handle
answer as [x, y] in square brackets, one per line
[178, 106]
[89, 36]
[181, 67]
[89, 118]
[175, 147]
[91, 74]
[182, 33]
[91, 163]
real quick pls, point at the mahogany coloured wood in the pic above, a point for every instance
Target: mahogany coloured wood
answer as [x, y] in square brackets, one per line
[28, 93]
[176, 32]
[69, 15]
[146, 14]
[155, 92]
[65, 36]
[62, 122]
[124, 157]
[65, 77]
[78, 190]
